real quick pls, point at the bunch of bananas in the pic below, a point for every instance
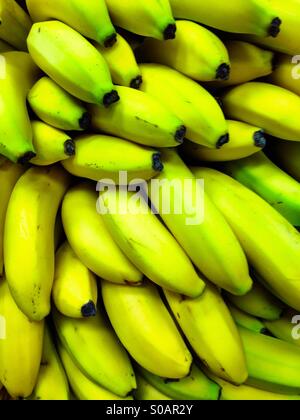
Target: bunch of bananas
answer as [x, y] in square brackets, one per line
[119, 291]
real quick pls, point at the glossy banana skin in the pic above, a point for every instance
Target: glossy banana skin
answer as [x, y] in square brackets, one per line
[286, 73]
[15, 24]
[245, 320]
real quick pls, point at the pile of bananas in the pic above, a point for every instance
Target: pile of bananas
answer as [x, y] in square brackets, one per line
[165, 90]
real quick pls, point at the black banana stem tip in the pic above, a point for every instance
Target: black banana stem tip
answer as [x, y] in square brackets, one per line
[89, 310]
[170, 32]
[157, 164]
[136, 82]
[69, 147]
[26, 158]
[180, 134]
[274, 28]
[85, 121]
[110, 40]
[222, 140]
[110, 98]
[259, 139]
[223, 72]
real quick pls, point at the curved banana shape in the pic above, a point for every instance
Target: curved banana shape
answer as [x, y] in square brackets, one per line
[21, 348]
[245, 320]
[52, 383]
[29, 238]
[271, 243]
[54, 47]
[90, 240]
[147, 243]
[94, 347]
[122, 64]
[146, 392]
[268, 106]
[51, 145]
[283, 327]
[210, 243]
[196, 52]
[20, 73]
[146, 329]
[56, 107]
[91, 18]
[286, 74]
[287, 155]
[101, 157]
[140, 118]
[274, 185]
[15, 24]
[208, 326]
[151, 18]
[5, 47]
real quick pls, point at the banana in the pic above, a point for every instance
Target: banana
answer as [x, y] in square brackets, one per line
[56, 107]
[271, 243]
[21, 348]
[9, 175]
[75, 288]
[140, 118]
[286, 73]
[151, 18]
[146, 329]
[91, 18]
[245, 140]
[52, 383]
[122, 64]
[205, 55]
[51, 145]
[256, 17]
[273, 364]
[14, 24]
[19, 74]
[283, 327]
[147, 243]
[82, 386]
[196, 386]
[199, 111]
[146, 392]
[207, 324]
[95, 349]
[210, 243]
[90, 240]
[287, 155]
[267, 106]
[5, 47]
[274, 185]
[245, 320]
[101, 157]
[29, 238]
[54, 47]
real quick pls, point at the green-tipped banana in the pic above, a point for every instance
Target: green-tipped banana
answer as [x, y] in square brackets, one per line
[247, 321]
[286, 328]
[14, 24]
[287, 155]
[146, 392]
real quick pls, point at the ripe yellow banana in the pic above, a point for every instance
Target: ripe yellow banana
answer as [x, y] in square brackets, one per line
[72, 62]
[140, 118]
[245, 320]
[21, 348]
[196, 52]
[151, 18]
[90, 18]
[51, 145]
[147, 243]
[199, 111]
[146, 392]
[146, 329]
[268, 106]
[90, 240]
[52, 383]
[286, 73]
[14, 24]
[284, 327]
[271, 243]
[122, 64]
[94, 347]
[208, 326]
[5, 47]
[101, 157]
[210, 243]
[56, 107]
[287, 155]
[18, 74]
[29, 238]
[74, 291]
[245, 140]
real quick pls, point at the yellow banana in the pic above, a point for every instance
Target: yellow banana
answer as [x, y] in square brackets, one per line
[29, 238]
[15, 24]
[5, 47]
[54, 47]
[56, 107]
[199, 111]
[90, 240]
[285, 327]
[146, 329]
[20, 347]
[146, 392]
[74, 289]
[141, 118]
[245, 320]
[287, 155]
[286, 73]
